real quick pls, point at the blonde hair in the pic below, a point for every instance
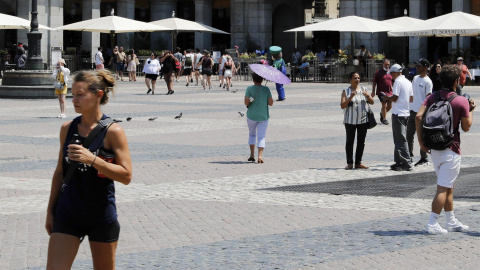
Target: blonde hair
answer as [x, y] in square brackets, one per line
[97, 80]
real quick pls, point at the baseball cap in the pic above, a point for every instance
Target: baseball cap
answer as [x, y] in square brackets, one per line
[459, 59]
[422, 62]
[395, 68]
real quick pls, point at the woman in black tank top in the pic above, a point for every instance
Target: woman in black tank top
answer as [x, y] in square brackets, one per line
[85, 206]
[207, 64]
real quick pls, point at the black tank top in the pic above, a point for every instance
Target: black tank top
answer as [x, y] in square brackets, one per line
[88, 200]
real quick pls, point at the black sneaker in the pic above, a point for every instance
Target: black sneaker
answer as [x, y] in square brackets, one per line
[385, 122]
[191, 80]
[421, 162]
[400, 167]
[171, 92]
[149, 90]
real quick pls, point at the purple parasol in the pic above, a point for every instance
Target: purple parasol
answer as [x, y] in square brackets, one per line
[270, 73]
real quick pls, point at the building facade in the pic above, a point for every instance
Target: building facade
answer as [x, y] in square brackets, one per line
[252, 24]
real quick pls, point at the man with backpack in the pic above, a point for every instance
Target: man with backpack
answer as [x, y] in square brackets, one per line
[401, 98]
[422, 88]
[188, 65]
[444, 145]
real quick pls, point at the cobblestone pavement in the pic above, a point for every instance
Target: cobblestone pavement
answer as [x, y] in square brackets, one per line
[196, 203]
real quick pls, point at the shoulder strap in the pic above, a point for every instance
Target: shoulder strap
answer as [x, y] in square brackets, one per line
[452, 97]
[104, 123]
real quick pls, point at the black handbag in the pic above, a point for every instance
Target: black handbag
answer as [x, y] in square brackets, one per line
[371, 118]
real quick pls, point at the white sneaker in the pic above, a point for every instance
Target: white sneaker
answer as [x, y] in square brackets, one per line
[61, 116]
[457, 226]
[435, 229]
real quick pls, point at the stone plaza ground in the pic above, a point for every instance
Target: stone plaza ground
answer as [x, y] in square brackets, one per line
[196, 203]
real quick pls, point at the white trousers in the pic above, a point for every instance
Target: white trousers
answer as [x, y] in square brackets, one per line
[257, 129]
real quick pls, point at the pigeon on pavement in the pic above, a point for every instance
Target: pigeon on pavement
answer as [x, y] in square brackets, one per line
[152, 119]
[117, 120]
[241, 114]
[178, 116]
[129, 118]
[234, 91]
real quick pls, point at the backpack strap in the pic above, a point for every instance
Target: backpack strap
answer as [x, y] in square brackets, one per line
[103, 124]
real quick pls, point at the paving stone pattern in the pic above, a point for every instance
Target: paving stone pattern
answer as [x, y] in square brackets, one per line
[196, 203]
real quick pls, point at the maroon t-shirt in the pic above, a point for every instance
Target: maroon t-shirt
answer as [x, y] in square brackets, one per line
[384, 82]
[460, 108]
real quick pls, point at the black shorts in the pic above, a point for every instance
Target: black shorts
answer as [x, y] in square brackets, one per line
[153, 77]
[207, 72]
[187, 71]
[106, 233]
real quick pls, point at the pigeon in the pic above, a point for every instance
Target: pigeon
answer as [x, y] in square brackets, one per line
[117, 120]
[152, 119]
[178, 116]
[241, 114]
[234, 91]
[129, 118]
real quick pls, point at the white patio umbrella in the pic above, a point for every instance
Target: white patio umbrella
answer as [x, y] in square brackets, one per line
[177, 25]
[14, 22]
[214, 30]
[452, 24]
[350, 24]
[180, 25]
[113, 25]
[400, 22]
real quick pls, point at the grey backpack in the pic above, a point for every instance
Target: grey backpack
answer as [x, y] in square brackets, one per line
[438, 130]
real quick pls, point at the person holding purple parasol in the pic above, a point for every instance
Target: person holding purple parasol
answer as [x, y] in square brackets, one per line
[257, 99]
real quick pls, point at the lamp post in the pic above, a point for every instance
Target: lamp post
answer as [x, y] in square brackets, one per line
[34, 61]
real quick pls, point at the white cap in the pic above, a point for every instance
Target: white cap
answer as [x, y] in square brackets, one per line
[395, 68]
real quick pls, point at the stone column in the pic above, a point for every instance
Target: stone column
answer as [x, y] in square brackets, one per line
[126, 9]
[56, 20]
[347, 8]
[158, 11]
[90, 40]
[464, 6]
[237, 23]
[203, 14]
[418, 46]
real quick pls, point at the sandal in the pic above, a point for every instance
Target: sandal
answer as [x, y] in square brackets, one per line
[251, 159]
[260, 160]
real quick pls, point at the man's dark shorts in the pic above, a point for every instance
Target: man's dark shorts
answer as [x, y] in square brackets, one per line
[152, 77]
[106, 233]
[120, 66]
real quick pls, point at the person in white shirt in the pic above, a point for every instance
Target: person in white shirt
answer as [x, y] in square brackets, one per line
[422, 87]
[99, 59]
[223, 60]
[151, 70]
[402, 96]
[198, 72]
